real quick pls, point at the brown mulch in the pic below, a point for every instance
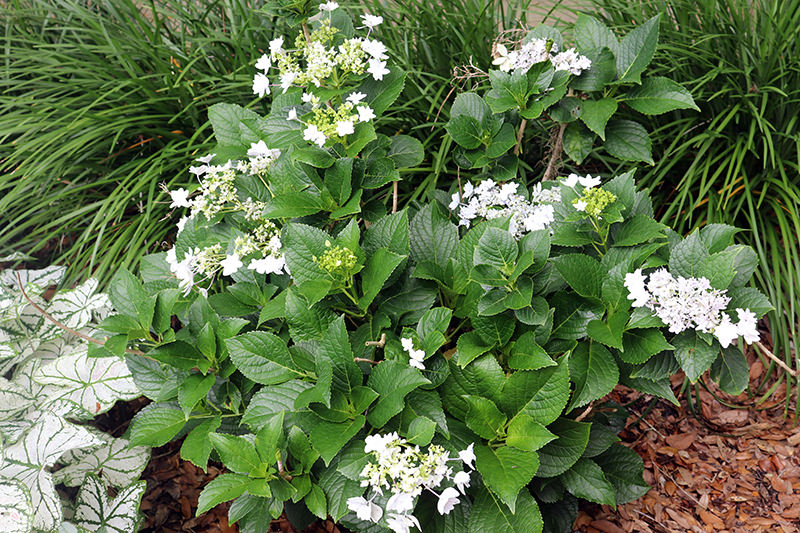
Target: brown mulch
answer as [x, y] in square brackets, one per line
[733, 470]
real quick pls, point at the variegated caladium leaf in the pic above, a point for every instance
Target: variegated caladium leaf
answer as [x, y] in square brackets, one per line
[16, 510]
[27, 460]
[39, 279]
[13, 399]
[74, 308]
[94, 511]
[92, 384]
[119, 464]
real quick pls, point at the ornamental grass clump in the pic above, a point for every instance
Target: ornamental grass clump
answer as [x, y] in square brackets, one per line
[443, 363]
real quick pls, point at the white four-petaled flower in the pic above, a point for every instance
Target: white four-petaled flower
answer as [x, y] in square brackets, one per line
[264, 63]
[180, 198]
[365, 113]
[377, 68]
[448, 499]
[328, 6]
[467, 455]
[231, 264]
[364, 509]
[312, 134]
[370, 21]
[344, 127]
[261, 85]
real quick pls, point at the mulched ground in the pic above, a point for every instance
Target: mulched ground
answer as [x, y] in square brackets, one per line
[734, 470]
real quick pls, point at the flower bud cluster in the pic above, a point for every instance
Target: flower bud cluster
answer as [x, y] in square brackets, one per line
[593, 200]
[406, 471]
[317, 61]
[337, 261]
[536, 51]
[490, 200]
[690, 303]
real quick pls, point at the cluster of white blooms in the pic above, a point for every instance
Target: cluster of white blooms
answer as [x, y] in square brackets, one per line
[415, 357]
[684, 303]
[536, 51]
[490, 200]
[328, 122]
[218, 195]
[316, 61]
[406, 471]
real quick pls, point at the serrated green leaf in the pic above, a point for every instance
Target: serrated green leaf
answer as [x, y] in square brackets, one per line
[586, 480]
[540, 394]
[263, 357]
[405, 151]
[577, 142]
[193, 389]
[380, 266]
[749, 298]
[222, 488]
[641, 344]
[156, 425]
[526, 434]
[659, 95]
[583, 273]
[590, 34]
[392, 381]
[237, 453]
[638, 229]
[505, 471]
[636, 50]
[593, 371]
[196, 446]
[609, 332]
[687, 257]
[559, 455]
[694, 354]
[483, 417]
[628, 141]
[489, 514]
[623, 468]
[420, 431]
[596, 113]
[180, 354]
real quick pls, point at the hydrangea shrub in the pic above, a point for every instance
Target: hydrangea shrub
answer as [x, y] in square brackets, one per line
[441, 366]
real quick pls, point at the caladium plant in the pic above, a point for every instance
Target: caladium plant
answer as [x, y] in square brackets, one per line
[53, 384]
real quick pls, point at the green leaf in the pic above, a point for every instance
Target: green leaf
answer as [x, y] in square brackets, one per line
[687, 257]
[526, 354]
[222, 488]
[641, 344]
[637, 230]
[717, 237]
[526, 434]
[488, 514]
[593, 371]
[237, 453]
[379, 172]
[749, 298]
[586, 480]
[659, 95]
[156, 425]
[694, 354]
[389, 232]
[496, 248]
[306, 322]
[433, 238]
[466, 131]
[596, 114]
[420, 431]
[610, 331]
[392, 381]
[583, 273]
[623, 468]
[471, 105]
[335, 348]
[599, 75]
[380, 266]
[483, 417]
[193, 389]
[301, 245]
[181, 355]
[336, 490]
[196, 446]
[381, 94]
[482, 377]
[316, 503]
[506, 470]
[628, 141]
[636, 50]
[540, 394]
[559, 455]
[330, 437]
[338, 179]
[268, 402]
[577, 142]
[226, 120]
[405, 151]
[263, 357]
[501, 142]
[130, 298]
[314, 156]
[590, 35]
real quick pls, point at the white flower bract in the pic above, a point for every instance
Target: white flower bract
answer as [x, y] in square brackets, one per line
[180, 198]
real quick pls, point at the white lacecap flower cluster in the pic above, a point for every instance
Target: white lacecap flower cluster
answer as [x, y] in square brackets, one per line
[415, 357]
[690, 303]
[491, 200]
[321, 60]
[406, 471]
[535, 51]
[218, 194]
